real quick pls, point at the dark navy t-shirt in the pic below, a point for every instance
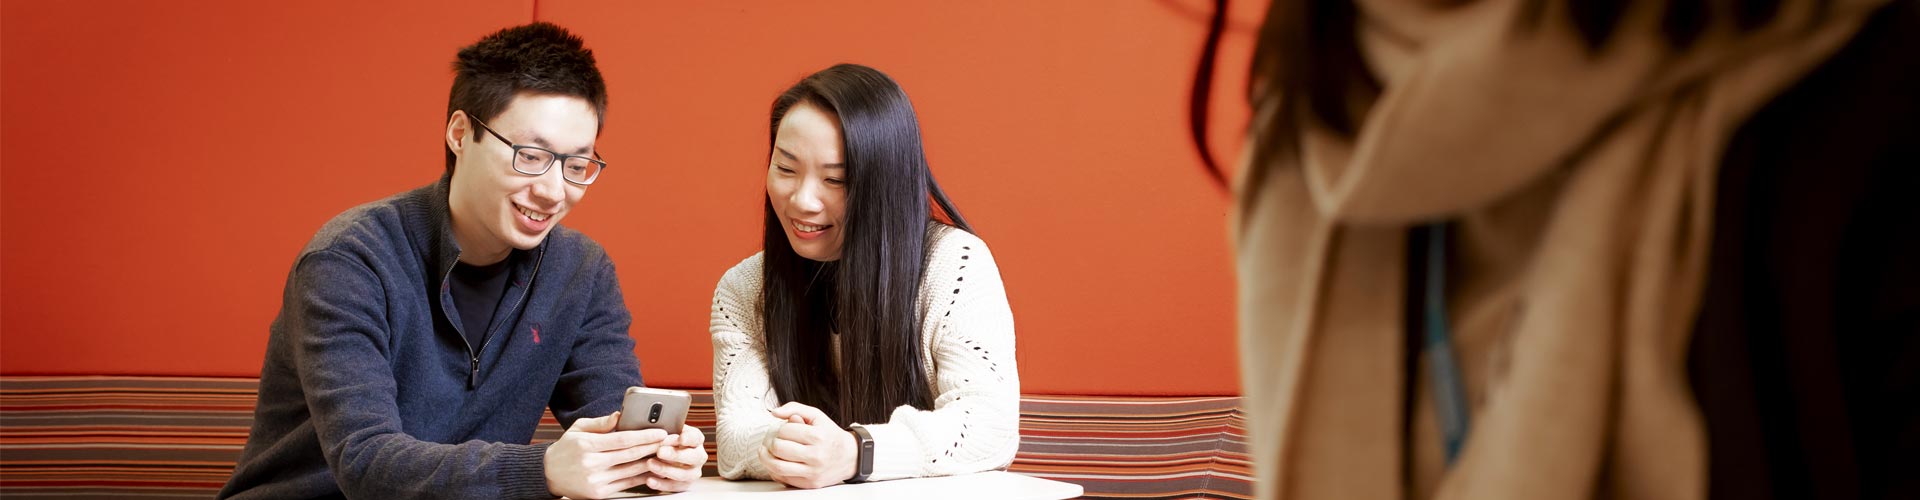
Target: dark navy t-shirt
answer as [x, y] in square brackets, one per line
[477, 291]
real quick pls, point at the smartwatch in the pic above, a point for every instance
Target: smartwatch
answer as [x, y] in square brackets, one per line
[864, 443]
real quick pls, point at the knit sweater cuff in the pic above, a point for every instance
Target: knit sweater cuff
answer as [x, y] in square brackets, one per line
[523, 471]
[896, 452]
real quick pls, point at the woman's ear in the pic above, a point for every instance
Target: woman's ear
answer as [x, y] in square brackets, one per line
[458, 129]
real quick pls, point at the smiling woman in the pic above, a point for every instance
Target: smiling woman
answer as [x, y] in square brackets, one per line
[867, 340]
[807, 184]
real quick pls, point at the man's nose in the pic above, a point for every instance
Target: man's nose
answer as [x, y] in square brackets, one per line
[550, 187]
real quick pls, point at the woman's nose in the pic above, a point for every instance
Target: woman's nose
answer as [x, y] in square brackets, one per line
[806, 198]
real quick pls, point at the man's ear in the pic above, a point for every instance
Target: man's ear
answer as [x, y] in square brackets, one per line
[458, 129]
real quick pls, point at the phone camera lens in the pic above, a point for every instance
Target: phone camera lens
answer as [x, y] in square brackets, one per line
[654, 416]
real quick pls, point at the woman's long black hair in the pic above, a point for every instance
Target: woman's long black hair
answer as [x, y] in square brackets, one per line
[871, 295]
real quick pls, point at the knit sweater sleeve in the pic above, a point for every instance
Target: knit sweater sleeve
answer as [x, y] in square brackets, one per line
[342, 341]
[968, 334]
[743, 395]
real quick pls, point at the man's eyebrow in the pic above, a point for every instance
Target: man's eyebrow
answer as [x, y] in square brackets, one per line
[542, 142]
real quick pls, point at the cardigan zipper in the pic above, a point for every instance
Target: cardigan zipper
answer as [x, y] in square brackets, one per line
[473, 355]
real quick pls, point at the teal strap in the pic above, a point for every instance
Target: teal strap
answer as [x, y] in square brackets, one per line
[1449, 390]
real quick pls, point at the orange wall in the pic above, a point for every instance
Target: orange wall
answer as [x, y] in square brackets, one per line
[164, 162]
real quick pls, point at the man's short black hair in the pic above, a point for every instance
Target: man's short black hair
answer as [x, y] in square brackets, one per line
[540, 58]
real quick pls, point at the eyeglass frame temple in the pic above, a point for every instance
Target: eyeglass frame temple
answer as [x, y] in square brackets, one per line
[557, 157]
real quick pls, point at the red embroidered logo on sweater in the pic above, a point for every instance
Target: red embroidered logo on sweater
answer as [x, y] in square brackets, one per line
[536, 334]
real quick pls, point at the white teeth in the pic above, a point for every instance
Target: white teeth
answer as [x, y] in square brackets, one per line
[808, 229]
[536, 216]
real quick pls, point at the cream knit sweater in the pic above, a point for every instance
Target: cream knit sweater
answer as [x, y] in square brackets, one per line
[967, 347]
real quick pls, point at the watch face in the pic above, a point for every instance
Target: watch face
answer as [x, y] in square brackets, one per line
[865, 467]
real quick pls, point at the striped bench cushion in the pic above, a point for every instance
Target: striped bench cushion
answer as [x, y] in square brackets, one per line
[165, 437]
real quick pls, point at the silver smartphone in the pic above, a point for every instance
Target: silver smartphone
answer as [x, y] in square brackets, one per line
[649, 408]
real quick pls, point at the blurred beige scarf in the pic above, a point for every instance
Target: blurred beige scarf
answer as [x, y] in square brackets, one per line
[1582, 189]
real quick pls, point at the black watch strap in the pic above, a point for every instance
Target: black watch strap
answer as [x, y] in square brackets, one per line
[863, 441]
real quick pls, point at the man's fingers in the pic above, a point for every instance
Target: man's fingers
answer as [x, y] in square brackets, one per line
[625, 484]
[664, 484]
[672, 471]
[695, 460]
[689, 457]
[596, 425]
[625, 439]
[624, 455]
[691, 437]
[619, 471]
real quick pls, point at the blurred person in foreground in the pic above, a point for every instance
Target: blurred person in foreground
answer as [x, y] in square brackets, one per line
[1529, 249]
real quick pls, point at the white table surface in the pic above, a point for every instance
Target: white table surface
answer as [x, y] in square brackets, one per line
[991, 484]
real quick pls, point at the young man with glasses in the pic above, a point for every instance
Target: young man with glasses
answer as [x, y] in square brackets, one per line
[422, 337]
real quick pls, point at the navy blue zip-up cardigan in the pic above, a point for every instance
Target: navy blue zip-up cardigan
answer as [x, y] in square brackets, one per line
[370, 390]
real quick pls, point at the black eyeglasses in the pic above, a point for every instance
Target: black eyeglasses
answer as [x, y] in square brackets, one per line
[535, 160]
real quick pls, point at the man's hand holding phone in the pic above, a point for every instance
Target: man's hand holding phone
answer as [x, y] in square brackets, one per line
[679, 460]
[629, 453]
[591, 460]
